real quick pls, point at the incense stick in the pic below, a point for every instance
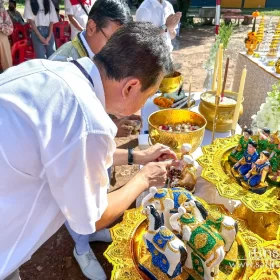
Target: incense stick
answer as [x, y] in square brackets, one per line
[225, 80]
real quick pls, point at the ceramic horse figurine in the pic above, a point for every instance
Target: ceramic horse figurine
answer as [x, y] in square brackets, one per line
[168, 252]
[226, 226]
[205, 246]
[167, 201]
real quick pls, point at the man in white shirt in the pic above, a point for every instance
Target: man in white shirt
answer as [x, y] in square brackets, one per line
[162, 15]
[77, 12]
[57, 141]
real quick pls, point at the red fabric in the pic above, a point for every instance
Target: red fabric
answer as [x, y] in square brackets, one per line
[77, 2]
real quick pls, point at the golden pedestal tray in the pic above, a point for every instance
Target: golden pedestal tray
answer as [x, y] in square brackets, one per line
[262, 209]
[128, 250]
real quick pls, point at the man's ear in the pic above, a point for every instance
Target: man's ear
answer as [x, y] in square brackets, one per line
[131, 86]
[91, 27]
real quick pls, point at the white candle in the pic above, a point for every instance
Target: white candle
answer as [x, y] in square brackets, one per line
[214, 81]
[239, 99]
[220, 70]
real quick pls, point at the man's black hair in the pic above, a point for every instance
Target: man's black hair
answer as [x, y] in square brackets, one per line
[137, 50]
[253, 143]
[249, 131]
[104, 11]
[13, 1]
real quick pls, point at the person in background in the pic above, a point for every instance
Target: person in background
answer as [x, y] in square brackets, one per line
[77, 12]
[41, 15]
[105, 17]
[13, 13]
[162, 15]
[58, 169]
[6, 29]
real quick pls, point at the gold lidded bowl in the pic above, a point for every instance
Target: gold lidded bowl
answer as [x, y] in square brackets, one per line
[225, 111]
[175, 140]
[171, 82]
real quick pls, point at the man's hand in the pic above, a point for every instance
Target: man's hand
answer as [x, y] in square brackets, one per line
[155, 173]
[126, 126]
[156, 153]
[173, 20]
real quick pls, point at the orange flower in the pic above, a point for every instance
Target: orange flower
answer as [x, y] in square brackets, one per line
[256, 14]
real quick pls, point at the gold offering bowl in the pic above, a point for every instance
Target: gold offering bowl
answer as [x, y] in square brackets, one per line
[175, 140]
[277, 66]
[171, 83]
[225, 112]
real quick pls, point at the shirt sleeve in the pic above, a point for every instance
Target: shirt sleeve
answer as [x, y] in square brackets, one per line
[53, 14]
[78, 180]
[28, 14]
[143, 15]
[68, 8]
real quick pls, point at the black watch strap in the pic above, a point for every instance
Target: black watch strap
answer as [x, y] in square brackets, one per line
[130, 157]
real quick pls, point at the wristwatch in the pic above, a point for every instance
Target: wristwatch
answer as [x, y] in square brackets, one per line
[164, 28]
[130, 159]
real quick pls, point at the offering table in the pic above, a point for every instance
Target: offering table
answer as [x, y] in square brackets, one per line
[260, 78]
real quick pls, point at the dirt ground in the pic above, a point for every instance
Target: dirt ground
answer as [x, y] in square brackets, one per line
[54, 260]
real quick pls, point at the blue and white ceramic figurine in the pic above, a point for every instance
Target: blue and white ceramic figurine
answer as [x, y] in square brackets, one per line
[204, 244]
[254, 180]
[244, 165]
[226, 226]
[168, 200]
[168, 252]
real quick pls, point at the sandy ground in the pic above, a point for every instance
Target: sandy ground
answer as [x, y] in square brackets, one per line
[54, 260]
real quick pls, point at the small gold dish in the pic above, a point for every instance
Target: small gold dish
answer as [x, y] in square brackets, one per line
[171, 83]
[175, 140]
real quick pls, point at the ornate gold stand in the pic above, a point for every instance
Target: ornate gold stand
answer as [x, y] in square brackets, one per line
[128, 250]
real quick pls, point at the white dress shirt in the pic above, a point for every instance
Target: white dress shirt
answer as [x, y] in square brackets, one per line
[78, 12]
[156, 13]
[40, 19]
[56, 145]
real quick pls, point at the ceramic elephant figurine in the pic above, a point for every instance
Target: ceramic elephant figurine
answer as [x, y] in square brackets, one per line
[168, 200]
[226, 226]
[168, 252]
[205, 246]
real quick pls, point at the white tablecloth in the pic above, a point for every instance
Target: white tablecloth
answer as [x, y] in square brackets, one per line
[204, 189]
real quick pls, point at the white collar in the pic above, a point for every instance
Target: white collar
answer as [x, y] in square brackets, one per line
[156, 3]
[93, 71]
[89, 51]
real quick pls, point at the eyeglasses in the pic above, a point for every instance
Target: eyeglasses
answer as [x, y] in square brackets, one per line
[103, 32]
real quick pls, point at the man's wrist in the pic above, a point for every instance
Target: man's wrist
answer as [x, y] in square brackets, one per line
[138, 157]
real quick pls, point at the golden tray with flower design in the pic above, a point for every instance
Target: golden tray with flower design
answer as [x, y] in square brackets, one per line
[128, 250]
[216, 170]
